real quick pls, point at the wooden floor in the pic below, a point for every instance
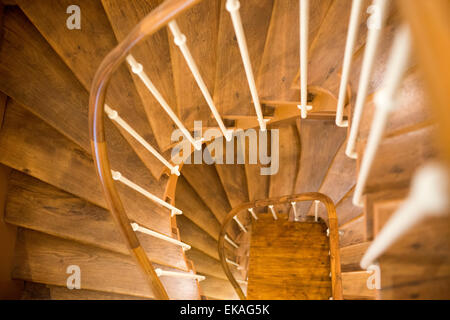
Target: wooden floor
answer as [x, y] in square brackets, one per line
[288, 260]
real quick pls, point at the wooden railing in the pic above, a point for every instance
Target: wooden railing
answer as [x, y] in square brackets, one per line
[333, 226]
[154, 21]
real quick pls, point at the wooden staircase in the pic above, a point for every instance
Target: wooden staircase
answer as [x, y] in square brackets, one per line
[55, 200]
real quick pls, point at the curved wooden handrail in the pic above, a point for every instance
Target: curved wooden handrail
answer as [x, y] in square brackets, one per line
[154, 21]
[336, 281]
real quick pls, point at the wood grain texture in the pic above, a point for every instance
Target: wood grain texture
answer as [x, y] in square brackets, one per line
[417, 265]
[398, 158]
[219, 289]
[33, 147]
[283, 182]
[351, 256]
[193, 207]
[354, 232]
[83, 52]
[347, 211]
[288, 260]
[354, 285]
[339, 180]
[232, 93]
[35, 205]
[154, 55]
[200, 26]
[44, 259]
[319, 140]
[281, 59]
[234, 182]
[62, 293]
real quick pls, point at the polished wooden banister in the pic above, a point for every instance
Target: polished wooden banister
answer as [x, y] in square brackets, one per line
[336, 281]
[154, 21]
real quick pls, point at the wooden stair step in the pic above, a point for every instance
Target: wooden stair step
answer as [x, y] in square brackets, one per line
[232, 93]
[351, 256]
[219, 289]
[83, 51]
[327, 50]
[35, 205]
[200, 26]
[283, 182]
[278, 71]
[62, 293]
[398, 157]
[354, 286]
[35, 148]
[44, 259]
[347, 211]
[354, 232]
[339, 181]
[193, 207]
[154, 55]
[319, 141]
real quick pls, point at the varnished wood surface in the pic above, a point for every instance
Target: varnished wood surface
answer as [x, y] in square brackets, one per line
[44, 259]
[354, 286]
[83, 51]
[232, 93]
[288, 260]
[35, 205]
[347, 211]
[33, 147]
[351, 256]
[153, 54]
[354, 232]
[62, 293]
[319, 140]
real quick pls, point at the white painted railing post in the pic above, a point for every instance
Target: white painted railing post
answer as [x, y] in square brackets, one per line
[118, 177]
[274, 214]
[349, 48]
[293, 204]
[233, 263]
[180, 41]
[234, 244]
[233, 6]
[428, 198]
[316, 210]
[386, 101]
[114, 116]
[137, 227]
[253, 213]
[235, 218]
[304, 30]
[373, 40]
[163, 273]
[138, 69]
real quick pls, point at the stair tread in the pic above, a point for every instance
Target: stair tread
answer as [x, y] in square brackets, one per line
[83, 52]
[319, 140]
[352, 255]
[346, 210]
[200, 26]
[35, 205]
[154, 55]
[354, 232]
[218, 289]
[232, 93]
[354, 286]
[32, 146]
[44, 259]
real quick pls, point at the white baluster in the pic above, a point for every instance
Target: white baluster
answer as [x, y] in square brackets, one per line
[163, 273]
[274, 214]
[137, 227]
[304, 30]
[293, 204]
[234, 244]
[253, 213]
[118, 177]
[240, 224]
[316, 210]
[233, 263]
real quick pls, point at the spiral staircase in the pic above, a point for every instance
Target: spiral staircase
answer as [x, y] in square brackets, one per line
[57, 214]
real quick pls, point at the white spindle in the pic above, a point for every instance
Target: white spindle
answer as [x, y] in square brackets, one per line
[137, 227]
[114, 116]
[184, 275]
[119, 177]
[233, 263]
[373, 40]
[304, 30]
[428, 198]
[293, 204]
[253, 213]
[240, 224]
[138, 69]
[234, 244]
[349, 48]
[233, 7]
[385, 101]
[274, 214]
[180, 41]
[316, 210]
[243, 282]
